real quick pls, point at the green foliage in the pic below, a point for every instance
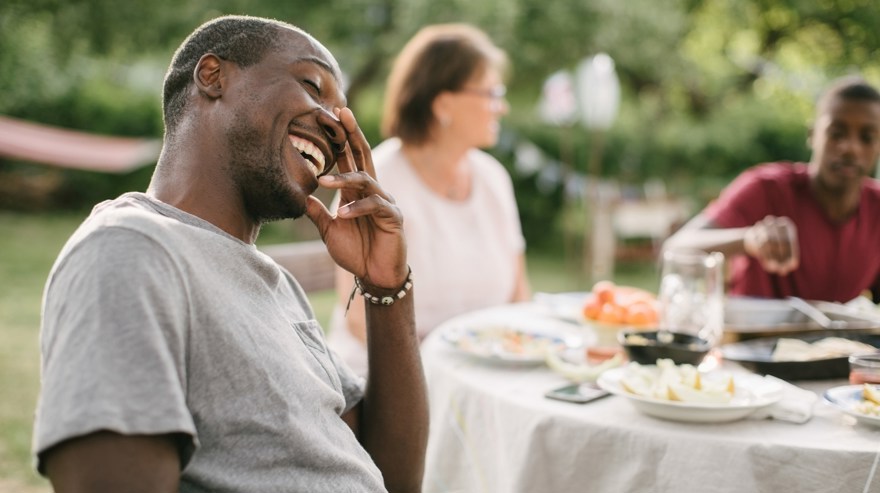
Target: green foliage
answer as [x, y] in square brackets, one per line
[100, 107]
[642, 146]
[709, 86]
[103, 105]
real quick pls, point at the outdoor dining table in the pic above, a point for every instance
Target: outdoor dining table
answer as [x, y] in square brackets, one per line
[492, 430]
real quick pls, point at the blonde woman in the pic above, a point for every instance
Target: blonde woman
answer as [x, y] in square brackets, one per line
[444, 98]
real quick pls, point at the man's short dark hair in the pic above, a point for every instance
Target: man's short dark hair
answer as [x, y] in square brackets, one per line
[240, 39]
[851, 88]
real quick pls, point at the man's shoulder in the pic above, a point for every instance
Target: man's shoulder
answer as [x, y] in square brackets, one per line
[130, 212]
[131, 206]
[777, 171]
[872, 190]
[783, 175]
[133, 219]
[121, 212]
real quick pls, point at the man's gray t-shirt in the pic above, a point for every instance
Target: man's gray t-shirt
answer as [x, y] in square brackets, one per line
[155, 321]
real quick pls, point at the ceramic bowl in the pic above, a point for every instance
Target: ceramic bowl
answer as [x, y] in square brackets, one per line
[644, 347]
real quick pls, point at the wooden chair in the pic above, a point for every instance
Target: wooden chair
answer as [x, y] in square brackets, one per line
[308, 261]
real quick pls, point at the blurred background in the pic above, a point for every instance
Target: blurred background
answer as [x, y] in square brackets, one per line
[694, 92]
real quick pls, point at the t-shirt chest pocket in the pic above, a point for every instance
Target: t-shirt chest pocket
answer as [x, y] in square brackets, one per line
[309, 333]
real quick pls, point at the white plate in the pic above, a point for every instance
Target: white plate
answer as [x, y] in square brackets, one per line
[845, 399]
[510, 336]
[753, 392]
[567, 306]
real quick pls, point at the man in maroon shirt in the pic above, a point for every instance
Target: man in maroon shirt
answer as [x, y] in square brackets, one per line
[809, 230]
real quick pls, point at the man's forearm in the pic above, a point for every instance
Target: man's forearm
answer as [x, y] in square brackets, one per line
[107, 461]
[700, 234]
[394, 419]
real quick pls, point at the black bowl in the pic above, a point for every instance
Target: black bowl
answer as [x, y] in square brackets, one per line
[644, 348]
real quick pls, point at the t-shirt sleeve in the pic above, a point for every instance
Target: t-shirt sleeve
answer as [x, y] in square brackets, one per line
[742, 203]
[115, 322]
[352, 384]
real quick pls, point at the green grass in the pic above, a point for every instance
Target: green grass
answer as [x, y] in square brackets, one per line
[28, 246]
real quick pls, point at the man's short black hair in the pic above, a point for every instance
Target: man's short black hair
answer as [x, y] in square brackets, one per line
[240, 39]
[852, 87]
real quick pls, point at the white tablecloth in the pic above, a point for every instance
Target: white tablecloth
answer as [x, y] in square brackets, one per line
[493, 431]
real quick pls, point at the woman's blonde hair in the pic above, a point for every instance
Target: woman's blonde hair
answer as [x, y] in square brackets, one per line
[440, 57]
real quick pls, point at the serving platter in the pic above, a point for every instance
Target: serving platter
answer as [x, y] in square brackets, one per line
[762, 316]
[845, 398]
[757, 355]
[752, 393]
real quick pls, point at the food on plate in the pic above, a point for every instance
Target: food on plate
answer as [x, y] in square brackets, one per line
[788, 349]
[579, 373]
[637, 339]
[870, 403]
[871, 393]
[504, 340]
[684, 383]
[613, 304]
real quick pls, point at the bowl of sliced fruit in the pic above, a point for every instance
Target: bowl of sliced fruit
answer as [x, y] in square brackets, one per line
[610, 308]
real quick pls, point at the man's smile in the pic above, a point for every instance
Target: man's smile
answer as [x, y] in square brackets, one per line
[310, 152]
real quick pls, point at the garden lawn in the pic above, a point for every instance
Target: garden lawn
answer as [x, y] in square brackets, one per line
[28, 246]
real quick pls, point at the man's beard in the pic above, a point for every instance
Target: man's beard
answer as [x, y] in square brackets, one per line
[260, 176]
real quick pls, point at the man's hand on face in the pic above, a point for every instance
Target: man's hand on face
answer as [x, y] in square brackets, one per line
[366, 235]
[774, 242]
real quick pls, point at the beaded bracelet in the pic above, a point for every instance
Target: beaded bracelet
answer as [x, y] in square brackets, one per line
[381, 300]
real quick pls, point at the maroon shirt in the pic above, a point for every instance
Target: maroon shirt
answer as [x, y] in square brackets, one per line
[837, 260]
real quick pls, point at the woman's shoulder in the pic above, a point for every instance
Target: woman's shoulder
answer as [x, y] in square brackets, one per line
[392, 168]
[387, 152]
[486, 164]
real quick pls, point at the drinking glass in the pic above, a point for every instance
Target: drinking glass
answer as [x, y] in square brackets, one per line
[864, 368]
[691, 294]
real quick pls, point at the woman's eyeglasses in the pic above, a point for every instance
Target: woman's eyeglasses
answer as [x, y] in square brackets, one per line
[496, 93]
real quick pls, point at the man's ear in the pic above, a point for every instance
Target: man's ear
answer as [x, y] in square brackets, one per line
[207, 75]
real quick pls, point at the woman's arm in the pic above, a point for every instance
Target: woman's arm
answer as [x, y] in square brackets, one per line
[522, 290]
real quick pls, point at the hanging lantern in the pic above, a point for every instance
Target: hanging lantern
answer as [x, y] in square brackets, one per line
[598, 92]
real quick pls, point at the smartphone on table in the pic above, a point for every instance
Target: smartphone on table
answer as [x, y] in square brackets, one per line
[579, 393]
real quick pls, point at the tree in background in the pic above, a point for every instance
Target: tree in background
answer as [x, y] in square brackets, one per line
[709, 86]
